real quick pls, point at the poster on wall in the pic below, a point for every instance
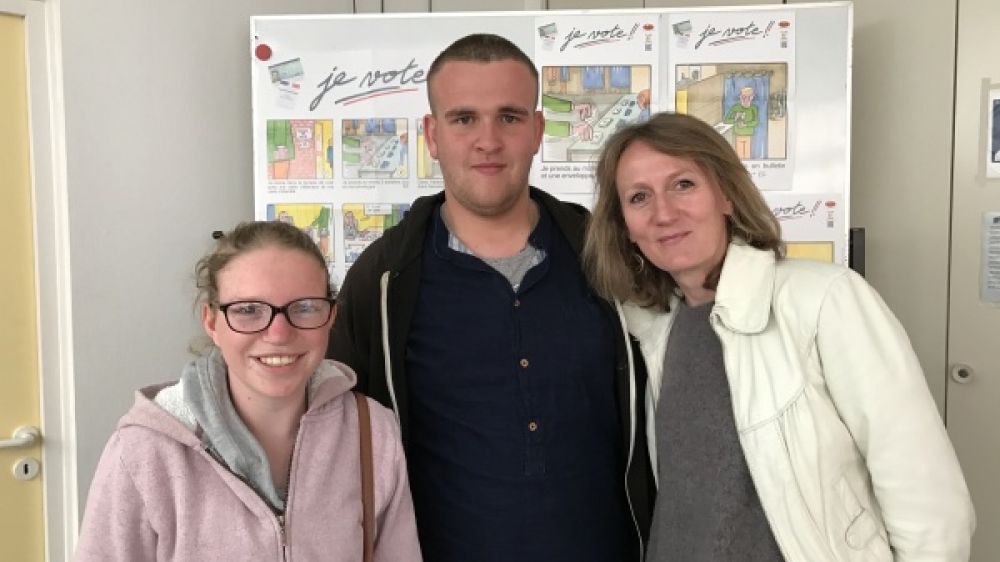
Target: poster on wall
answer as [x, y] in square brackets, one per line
[341, 152]
[993, 133]
[736, 71]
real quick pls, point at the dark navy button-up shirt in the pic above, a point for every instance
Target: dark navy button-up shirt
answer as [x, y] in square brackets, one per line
[514, 449]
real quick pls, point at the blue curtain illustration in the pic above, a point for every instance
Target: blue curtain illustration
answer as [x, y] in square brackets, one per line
[621, 77]
[593, 78]
[761, 84]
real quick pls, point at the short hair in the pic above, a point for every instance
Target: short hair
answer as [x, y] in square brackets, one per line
[613, 264]
[246, 237]
[480, 47]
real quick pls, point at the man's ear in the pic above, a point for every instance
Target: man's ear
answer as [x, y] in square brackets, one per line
[430, 134]
[539, 129]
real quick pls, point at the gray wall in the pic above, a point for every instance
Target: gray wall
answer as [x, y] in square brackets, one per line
[158, 156]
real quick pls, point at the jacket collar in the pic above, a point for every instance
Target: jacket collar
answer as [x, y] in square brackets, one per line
[743, 298]
[408, 236]
[570, 218]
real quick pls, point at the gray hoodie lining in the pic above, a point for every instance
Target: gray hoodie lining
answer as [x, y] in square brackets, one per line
[200, 400]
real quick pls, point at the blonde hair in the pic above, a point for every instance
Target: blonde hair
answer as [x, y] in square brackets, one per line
[614, 265]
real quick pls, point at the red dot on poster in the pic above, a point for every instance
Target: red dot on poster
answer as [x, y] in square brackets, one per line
[263, 52]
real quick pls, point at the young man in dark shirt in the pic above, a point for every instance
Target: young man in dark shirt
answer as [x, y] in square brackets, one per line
[519, 404]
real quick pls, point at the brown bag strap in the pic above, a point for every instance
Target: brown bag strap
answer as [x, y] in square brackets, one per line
[367, 477]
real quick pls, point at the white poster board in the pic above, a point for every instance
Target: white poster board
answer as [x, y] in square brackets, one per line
[337, 108]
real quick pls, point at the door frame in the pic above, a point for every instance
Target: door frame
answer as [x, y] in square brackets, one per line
[50, 210]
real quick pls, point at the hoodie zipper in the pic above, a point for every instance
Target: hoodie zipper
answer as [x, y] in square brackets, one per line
[284, 542]
[282, 536]
[283, 517]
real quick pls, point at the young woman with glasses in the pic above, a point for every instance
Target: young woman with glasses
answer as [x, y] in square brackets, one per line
[254, 453]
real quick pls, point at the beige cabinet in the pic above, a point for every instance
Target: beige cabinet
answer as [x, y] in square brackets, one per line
[973, 404]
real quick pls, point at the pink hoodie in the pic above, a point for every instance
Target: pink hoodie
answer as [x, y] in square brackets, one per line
[159, 496]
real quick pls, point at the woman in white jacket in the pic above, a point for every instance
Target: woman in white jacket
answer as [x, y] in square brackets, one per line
[787, 415]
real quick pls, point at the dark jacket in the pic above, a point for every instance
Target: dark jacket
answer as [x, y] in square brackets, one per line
[375, 308]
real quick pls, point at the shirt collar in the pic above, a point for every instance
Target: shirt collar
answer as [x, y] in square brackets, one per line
[540, 237]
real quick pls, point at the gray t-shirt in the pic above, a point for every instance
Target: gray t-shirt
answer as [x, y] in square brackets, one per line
[514, 268]
[707, 509]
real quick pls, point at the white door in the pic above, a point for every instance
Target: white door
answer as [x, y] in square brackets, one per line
[973, 404]
[21, 519]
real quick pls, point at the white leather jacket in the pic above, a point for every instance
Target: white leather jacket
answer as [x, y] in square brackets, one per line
[842, 437]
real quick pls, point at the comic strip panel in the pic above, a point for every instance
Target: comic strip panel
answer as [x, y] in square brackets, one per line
[584, 105]
[375, 147]
[313, 218]
[745, 102]
[299, 149]
[365, 222]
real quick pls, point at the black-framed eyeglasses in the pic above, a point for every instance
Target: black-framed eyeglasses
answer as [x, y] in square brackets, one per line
[250, 317]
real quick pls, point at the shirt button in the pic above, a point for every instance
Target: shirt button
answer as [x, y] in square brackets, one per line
[517, 303]
[524, 363]
[532, 426]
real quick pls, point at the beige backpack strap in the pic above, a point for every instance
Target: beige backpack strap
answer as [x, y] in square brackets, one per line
[367, 476]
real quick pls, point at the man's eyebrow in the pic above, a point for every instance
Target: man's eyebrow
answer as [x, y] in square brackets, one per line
[459, 112]
[517, 110]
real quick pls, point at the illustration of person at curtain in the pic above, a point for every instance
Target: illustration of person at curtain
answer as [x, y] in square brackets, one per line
[743, 117]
